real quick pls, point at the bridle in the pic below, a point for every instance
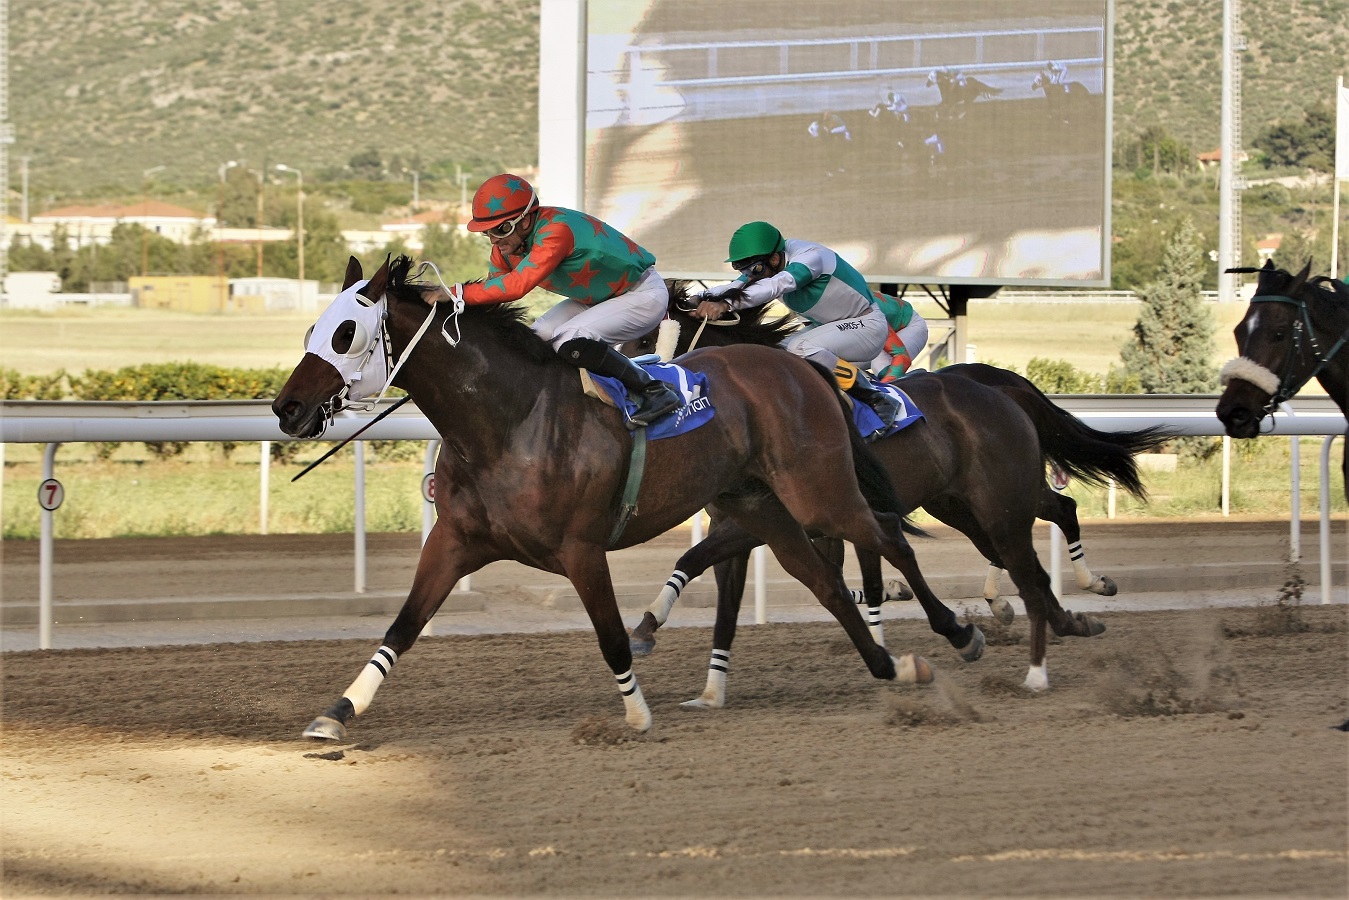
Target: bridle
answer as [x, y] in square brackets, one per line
[1303, 333]
[381, 341]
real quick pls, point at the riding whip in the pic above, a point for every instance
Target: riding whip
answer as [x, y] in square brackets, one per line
[398, 403]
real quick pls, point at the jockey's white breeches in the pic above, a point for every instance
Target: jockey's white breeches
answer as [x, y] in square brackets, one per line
[856, 340]
[613, 321]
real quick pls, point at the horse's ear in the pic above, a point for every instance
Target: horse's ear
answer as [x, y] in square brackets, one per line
[378, 282]
[1301, 277]
[354, 273]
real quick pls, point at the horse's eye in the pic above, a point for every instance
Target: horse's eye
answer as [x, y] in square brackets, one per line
[307, 335]
[343, 336]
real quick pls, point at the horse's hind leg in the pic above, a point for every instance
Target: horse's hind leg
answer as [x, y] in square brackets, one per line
[443, 562]
[1013, 544]
[1062, 511]
[798, 556]
[725, 541]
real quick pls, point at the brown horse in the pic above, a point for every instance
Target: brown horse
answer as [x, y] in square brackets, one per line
[1294, 330]
[976, 461]
[533, 470]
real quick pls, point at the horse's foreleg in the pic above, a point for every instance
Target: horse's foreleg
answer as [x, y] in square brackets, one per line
[725, 541]
[730, 594]
[873, 592]
[588, 571]
[438, 568]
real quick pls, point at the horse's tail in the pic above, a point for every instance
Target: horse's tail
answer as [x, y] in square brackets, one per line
[1083, 452]
[877, 488]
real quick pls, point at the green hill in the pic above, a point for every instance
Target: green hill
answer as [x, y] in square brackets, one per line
[100, 92]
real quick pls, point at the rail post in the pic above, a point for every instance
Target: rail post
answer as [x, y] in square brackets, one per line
[45, 616]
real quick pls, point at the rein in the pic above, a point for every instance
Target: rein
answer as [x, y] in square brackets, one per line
[1289, 385]
[733, 318]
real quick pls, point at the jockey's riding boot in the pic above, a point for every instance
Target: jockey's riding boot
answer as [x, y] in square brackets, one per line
[654, 397]
[856, 384]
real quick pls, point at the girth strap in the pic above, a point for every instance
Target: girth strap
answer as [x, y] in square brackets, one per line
[636, 467]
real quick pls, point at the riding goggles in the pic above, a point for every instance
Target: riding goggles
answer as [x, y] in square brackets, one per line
[752, 269]
[507, 228]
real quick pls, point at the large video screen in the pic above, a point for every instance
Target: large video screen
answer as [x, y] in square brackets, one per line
[926, 141]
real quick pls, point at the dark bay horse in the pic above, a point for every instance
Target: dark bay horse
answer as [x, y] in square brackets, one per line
[533, 470]
[976, 462]
[1294, 330]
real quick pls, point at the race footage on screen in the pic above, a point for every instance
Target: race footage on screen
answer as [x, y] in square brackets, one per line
[952, 141]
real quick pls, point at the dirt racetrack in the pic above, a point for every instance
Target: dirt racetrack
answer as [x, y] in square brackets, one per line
[1182, 753]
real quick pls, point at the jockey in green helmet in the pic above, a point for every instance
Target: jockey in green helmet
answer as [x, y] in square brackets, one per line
[846, 326]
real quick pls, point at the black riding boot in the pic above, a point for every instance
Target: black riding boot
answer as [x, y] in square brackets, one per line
[655, 398]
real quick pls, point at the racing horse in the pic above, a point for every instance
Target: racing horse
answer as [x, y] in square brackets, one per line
[976, 461]
[1062, 99]
[958, 89]
[532, 469]
[1294, 330]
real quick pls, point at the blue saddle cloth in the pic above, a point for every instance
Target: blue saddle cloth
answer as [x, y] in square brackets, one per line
[870, 424]
[691, 386]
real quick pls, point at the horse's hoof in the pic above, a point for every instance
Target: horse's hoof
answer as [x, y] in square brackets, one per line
[1105, 586]
[1090, 627]
[897, 590]
[325, 728]
[640, 647]
[1003, 612]
[975, 648]
[701, 703]
[912, 669]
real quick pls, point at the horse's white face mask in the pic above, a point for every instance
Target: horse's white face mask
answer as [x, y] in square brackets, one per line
[350, 337]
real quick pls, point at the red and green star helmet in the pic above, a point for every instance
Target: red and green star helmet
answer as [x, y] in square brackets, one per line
[500, 199]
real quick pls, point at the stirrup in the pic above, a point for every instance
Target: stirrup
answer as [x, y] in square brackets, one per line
[649, 408]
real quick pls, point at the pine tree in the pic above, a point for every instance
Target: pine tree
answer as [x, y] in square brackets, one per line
[1172, 348]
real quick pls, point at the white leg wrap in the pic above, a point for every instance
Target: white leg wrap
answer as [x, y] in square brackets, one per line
[714, 695]
[362, 690]
[665, 600]
[992, 582]
[1084, 576]
[858, 597]
[1037, 679]
[874, 623]
[638, 713]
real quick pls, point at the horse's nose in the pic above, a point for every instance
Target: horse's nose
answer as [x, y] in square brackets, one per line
[288, 411]
[1238, 421]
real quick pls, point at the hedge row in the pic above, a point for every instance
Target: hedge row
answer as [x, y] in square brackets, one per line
[159, 381]
[171, 381]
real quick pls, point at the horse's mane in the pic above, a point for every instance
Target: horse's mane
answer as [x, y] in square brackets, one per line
[751, 329]
[508, 320]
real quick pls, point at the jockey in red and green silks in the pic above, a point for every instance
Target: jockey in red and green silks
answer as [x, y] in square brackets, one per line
[611, 289]
[907, 338]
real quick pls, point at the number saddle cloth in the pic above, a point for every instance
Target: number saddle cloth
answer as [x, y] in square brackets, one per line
[698, 409]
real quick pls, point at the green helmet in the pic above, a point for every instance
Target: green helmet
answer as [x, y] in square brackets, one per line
[755, 239]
